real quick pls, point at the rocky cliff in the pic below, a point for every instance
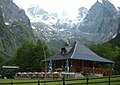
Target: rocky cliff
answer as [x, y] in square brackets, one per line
[15, 28]
[98, 25]
[101, 22]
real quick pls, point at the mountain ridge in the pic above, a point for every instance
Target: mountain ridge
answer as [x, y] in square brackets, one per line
[13, 30]
[99, 24]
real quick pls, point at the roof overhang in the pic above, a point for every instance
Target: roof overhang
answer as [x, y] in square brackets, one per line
[10, 67]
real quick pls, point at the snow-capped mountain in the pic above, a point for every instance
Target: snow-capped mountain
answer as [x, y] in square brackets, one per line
[52, 26]
[98, 25]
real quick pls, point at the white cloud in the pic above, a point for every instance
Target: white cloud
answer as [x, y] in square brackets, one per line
[60, 5]
[115, 2]
[56, 5]
[70, 6]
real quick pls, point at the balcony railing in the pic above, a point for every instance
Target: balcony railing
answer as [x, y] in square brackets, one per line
[97, 70]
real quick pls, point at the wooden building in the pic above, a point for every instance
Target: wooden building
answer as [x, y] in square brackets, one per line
[9, 71]
[81, 59]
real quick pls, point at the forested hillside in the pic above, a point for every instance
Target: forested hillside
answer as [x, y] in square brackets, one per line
[13, 30]
[110, 50]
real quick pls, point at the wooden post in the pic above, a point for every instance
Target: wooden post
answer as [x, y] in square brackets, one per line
[82, 65]
[11, 83]
[87, 81]
[109, 80]
[38, 82]
[63, 81]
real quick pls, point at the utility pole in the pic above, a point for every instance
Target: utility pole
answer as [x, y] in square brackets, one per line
[45, 66]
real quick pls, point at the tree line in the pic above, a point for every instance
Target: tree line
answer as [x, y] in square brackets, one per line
[29, 56]
[111, 52]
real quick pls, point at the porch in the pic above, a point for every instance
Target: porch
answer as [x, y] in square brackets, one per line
[80, 66]
[61, 74]
[97, 70]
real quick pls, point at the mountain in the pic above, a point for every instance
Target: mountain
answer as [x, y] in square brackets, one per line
[53, 26]
[119, 20]
[15, 28]
[82, 12]
[116, 40]
[12, 13]
[101, 22]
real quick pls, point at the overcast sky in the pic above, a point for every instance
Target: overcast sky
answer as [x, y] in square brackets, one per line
[70, 6]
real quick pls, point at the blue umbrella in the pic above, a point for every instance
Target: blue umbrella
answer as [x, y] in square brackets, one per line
[67, 66]
[50, 66]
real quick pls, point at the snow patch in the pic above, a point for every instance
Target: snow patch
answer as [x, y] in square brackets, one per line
[100, 1]
[62, 30]
[3, 15]
[114, 35]
[33, 27]
[6, 23]
[1, 7]
[117, 8]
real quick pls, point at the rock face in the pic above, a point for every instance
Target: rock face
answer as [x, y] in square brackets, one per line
[82, 13]
[100, 24]
[119, 20]
[52, 26]
[116, 40]
[12, 13]
[15, 28]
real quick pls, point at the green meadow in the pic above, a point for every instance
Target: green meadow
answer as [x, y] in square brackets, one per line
[68, 81]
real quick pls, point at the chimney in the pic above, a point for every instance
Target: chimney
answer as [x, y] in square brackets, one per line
[63, 51]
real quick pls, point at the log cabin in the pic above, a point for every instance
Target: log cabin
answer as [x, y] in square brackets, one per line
[81, 59]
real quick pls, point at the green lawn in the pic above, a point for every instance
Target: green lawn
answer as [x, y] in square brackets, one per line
[30, 80]
[68, 81]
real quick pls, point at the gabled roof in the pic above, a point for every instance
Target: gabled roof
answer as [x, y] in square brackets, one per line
[81, 52]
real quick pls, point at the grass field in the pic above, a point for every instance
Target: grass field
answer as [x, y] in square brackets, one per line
[67, 81]
[29, 80]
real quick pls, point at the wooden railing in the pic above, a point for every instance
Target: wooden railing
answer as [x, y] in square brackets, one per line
[97, 70]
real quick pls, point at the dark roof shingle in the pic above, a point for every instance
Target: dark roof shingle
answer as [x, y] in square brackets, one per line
[80, 52]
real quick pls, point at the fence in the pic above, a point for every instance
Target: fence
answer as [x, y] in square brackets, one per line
[89, 81]
[85, 81]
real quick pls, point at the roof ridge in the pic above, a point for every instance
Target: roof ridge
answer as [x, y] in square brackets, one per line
[74, 49]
